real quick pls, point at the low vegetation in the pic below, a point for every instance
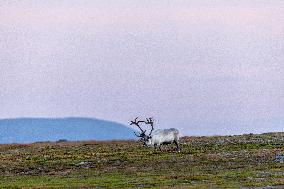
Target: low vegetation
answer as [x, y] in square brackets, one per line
[228, 161]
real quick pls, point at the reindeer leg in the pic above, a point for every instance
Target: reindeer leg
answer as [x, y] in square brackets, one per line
[176, 143]
[155, 147]
[160, 148]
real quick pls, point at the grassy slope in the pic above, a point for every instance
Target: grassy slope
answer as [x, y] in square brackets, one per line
[234, 161]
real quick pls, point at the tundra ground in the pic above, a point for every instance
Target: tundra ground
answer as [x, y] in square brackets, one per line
[204, 162]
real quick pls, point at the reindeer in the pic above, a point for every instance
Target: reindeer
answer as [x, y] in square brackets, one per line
[158, 137]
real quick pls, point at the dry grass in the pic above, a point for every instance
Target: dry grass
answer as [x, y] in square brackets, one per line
[214, 162]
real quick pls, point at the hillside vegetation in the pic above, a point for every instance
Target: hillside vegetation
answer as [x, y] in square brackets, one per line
[216, 162]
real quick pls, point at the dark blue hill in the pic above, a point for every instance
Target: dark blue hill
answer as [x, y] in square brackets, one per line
[27, 130]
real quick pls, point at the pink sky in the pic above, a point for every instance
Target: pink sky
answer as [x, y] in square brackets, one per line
[207, 68]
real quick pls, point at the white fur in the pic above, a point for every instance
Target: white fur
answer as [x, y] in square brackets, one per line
[161, 136]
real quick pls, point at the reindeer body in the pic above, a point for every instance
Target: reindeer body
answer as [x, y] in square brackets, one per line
[163, 136]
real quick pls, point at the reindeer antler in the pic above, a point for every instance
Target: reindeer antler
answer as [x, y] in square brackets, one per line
[135, 122]
[150, 121]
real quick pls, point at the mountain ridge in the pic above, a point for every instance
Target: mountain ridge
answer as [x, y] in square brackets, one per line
[29, 129]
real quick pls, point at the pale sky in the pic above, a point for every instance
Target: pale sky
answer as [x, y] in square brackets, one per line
[204, 67]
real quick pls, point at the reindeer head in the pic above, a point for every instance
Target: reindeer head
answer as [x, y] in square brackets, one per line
[143, 136]
[148, 138]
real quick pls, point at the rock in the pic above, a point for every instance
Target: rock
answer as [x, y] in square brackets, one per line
[84, 164]
[279, 157]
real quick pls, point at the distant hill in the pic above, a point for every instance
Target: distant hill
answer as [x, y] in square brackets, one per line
[27, 130]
